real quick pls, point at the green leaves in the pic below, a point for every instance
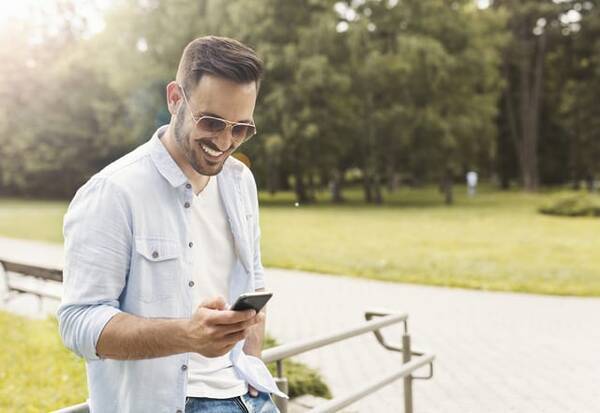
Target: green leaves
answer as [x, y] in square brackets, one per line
[409, 88]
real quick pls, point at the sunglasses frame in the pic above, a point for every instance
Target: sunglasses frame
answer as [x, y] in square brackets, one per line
[228, 124]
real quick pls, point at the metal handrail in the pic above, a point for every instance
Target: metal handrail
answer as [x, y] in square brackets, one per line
[386, 318]
[291, 349]
[382, 312]
[340, 402]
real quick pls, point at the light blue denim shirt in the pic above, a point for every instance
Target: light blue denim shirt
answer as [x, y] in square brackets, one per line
[127, 249]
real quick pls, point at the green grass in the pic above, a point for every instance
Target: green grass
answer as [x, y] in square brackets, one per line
[494, 241]
[37, 373]
[32, 219]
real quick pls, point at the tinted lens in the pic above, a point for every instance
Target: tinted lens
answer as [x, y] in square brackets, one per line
[242, 131]
[211, 124]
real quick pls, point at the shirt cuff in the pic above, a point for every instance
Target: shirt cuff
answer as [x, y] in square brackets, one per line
[100, 316]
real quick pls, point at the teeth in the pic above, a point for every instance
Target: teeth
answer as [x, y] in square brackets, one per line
[211, 152]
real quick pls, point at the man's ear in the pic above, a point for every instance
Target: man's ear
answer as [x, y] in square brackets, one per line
[173, 97]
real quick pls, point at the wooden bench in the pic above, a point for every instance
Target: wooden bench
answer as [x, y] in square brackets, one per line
[14, 275]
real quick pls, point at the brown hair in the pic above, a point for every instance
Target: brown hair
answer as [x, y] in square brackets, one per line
[218, 56]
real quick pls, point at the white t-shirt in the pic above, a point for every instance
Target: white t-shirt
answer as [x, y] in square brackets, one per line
[212, 377]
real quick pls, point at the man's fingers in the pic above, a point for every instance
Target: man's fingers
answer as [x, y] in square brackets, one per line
[233, 338]
[260, 317]
[227, 317]
[215, 303]
[232, 328]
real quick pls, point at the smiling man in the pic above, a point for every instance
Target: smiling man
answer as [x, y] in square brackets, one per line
[158, 243]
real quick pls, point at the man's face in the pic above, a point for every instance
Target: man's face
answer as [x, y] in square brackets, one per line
[206, 152]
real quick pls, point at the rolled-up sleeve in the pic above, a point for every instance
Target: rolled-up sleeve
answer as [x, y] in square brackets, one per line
[98, 237]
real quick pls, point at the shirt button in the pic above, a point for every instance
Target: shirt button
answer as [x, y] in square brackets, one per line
[155, 254]
[184, 367]
[186, 205]
[191, 283]
[191, 244]
[188, 186]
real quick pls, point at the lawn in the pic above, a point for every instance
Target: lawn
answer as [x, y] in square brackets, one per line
[38, 374]
[494, 241]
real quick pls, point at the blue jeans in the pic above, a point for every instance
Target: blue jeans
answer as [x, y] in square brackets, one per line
[241, 404]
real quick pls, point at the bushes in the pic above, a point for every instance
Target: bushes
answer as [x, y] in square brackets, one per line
[301, 379]
[573, 205]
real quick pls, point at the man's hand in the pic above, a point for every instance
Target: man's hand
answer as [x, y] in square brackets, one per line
[213, 330]
[253, 392]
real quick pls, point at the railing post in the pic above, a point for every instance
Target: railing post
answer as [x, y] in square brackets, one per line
[282, 384]
[5, 292]
[406, 352]
[40, 303]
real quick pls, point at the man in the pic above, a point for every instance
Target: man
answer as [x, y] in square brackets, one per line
[157, 243]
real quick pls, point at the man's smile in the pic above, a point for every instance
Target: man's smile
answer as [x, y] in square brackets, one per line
[211, 152]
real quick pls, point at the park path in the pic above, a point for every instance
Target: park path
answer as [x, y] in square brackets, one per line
[496, 352]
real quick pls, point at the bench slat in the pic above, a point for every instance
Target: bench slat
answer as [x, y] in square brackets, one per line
[33, 271]
[23, 290]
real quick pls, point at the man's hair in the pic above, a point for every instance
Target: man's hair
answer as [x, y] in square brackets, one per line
[218, 56]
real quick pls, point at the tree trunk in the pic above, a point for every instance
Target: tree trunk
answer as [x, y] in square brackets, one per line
[504, 183]
[336, 187]
[392, 176]
[377, 196]
[312, 196]
[530, 80]
[372, 188]
[283, 180]
[367, 188]
[447, 188]
[272, 178]
[590, 183]
[300, 189]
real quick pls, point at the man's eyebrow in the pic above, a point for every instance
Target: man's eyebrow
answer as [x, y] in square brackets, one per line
[214, 115]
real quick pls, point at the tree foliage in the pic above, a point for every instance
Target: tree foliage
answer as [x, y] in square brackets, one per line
[376, 92]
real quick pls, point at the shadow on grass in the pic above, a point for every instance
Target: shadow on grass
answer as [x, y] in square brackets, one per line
[409, 198]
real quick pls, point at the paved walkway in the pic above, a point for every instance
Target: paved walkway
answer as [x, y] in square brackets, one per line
[496, 352]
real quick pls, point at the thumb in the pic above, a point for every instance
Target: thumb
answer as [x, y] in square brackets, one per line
[215, 303]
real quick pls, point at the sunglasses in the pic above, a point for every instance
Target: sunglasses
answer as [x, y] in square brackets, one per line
[240, 131]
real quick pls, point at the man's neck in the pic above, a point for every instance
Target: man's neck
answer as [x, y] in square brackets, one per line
[197, 180]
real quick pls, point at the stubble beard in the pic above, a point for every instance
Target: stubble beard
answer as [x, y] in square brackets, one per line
[191, 153]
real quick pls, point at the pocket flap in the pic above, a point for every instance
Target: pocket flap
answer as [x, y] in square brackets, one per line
[157, 249]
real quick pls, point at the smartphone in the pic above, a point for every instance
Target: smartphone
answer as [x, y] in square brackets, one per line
[249, 301]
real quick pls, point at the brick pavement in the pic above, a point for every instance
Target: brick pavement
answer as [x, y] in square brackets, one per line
[496, 352]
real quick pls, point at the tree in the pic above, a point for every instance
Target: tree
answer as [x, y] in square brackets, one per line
[302, 96]
[531, 24]
[579, 110]
[60, 120]
[430, 85]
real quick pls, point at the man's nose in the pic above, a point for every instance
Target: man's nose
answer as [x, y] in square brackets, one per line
[225, 138]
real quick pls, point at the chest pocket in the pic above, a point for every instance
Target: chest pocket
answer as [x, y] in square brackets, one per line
[158, 266]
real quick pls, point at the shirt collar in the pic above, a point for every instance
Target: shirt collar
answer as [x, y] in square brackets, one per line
[169, 169]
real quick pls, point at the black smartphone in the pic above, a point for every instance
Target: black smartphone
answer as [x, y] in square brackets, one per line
[249, 301]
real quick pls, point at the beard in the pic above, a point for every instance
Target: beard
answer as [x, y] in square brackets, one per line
[191, 150]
